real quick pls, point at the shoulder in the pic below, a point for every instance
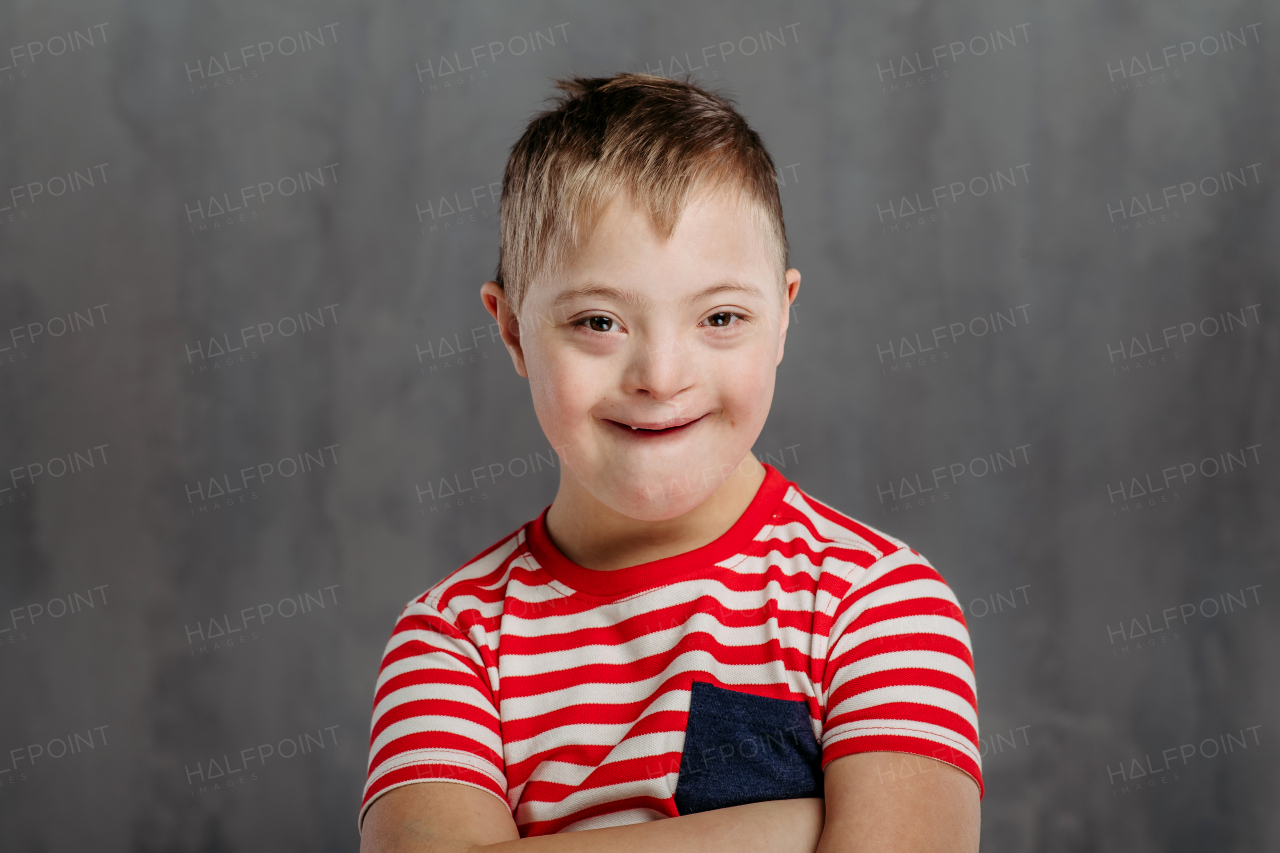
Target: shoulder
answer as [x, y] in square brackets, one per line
[831, 529]
[864, 556]
[477, 583]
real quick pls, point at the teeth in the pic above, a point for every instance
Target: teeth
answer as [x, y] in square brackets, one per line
[635, 427]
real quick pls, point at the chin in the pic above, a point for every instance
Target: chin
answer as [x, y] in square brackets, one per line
[638, 505]
[660, 501]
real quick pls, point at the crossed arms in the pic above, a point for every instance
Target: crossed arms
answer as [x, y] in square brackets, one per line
[874, 802]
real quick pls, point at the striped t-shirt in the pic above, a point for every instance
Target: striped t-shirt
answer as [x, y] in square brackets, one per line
[728, 674]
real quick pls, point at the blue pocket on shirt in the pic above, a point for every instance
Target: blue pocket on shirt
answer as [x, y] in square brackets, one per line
[741, 748]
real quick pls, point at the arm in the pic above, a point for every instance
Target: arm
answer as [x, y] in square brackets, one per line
[901, 688]
[446, 817]
[879, 802]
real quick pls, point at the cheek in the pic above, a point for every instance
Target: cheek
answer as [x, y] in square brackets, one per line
[747, 378]
[749, 394]
[561, 389]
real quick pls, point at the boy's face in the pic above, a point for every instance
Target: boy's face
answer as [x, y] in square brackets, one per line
[682, 336]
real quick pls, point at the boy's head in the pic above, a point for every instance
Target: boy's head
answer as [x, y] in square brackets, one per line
[642, 279]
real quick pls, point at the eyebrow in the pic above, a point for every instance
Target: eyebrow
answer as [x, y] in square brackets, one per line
[609, 292]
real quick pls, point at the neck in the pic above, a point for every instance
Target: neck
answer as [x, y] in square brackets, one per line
[596, 536]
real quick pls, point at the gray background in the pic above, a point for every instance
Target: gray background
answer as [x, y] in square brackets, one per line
[1048, 534]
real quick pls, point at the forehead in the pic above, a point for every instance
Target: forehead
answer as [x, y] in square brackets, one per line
[720, 230]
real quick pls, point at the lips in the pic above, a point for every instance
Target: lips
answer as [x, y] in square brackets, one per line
[667, 427]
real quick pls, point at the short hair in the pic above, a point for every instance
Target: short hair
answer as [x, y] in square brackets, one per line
[659, 140]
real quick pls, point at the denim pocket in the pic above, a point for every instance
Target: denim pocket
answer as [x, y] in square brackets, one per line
[742, 748]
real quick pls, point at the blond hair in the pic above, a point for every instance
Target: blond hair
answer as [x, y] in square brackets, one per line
[655, 139]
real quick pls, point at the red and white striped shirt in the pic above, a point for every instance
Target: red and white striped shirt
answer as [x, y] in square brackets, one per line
[731, 673]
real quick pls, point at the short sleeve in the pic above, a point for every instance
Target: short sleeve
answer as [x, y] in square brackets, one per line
[434, 714]
[899, 675]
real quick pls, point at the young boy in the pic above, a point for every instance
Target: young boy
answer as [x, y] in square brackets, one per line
[684, 651]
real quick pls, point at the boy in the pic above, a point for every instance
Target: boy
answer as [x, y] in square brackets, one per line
[684, 651]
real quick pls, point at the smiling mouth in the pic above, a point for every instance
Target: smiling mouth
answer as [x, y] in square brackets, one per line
[653, 430]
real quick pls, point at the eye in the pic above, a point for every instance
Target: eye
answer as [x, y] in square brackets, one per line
[598, 323]
[722, 319]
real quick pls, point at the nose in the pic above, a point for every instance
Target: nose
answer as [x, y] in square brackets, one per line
[660, 365]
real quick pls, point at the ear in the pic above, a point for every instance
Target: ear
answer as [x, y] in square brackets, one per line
[495, 302]
[793, 288]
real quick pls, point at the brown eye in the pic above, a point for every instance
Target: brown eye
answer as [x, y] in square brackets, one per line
[727, 316]
[596, 322]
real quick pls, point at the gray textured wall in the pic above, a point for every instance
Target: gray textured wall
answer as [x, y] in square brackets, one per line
[1060, 560]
